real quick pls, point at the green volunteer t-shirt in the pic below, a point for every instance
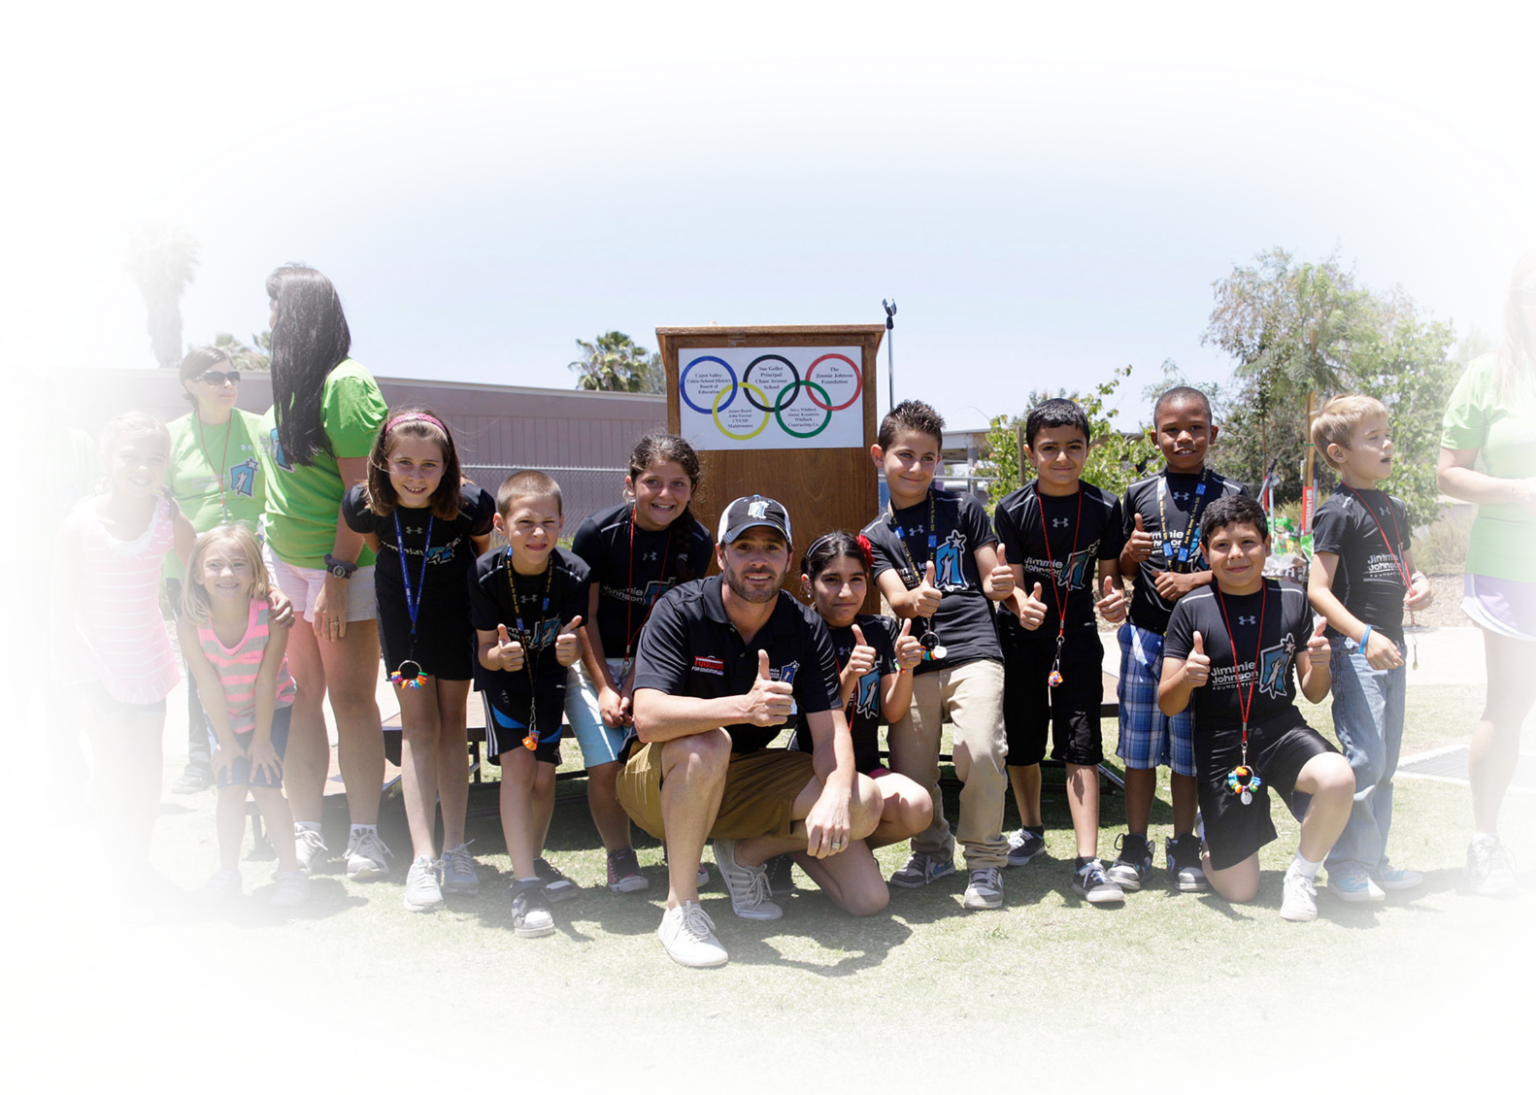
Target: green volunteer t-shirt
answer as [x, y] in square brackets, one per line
[216, 473]
[1504, 430]
[304, 502]
[45, 496]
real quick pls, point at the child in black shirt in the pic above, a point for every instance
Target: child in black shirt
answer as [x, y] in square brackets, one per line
[1235, 650]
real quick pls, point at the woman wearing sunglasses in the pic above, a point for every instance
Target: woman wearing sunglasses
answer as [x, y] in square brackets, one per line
[215, 477]
[1488, 456]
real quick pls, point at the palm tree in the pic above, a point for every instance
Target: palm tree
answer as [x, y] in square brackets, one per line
[161, 260]
[613, 363]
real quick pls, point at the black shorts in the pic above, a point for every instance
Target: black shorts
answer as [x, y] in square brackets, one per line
[1277, 754]
[445, 639]
[506, 723]
[1031, 707]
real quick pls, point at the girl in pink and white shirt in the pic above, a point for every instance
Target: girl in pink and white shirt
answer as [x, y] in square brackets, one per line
[111, 638]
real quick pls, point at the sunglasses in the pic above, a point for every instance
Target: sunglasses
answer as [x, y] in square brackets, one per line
[213, 378]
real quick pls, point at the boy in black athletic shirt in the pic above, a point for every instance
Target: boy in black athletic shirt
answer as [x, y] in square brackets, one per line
[1052, 530]
[1231, 651]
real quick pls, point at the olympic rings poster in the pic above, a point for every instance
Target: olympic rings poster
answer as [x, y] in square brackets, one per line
[792, 397]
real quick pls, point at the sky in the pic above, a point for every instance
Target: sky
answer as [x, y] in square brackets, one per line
[1046, 194]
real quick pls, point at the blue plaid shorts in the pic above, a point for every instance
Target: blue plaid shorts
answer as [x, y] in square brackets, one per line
[1149, 738]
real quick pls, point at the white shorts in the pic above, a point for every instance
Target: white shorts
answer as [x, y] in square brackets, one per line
[301, 585]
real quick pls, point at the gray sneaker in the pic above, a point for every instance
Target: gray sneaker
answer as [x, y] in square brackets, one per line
[1491, 869]
[221, 887]
[458, 868]
[365, 856]
[310, 849]
[1133, 865]
[292, 889]
[1185, 870]
[1024, 845]
[984, 890]
[921, 869]
[423, 888]
[1089, 881]
[748, 886]
[531, 917]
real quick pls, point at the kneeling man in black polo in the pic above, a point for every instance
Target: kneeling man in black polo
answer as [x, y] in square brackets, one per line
[723, 663]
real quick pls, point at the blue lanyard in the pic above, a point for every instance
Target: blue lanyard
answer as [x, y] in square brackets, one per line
[412, 604]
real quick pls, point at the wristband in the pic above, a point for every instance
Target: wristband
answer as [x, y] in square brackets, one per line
[1365, 636]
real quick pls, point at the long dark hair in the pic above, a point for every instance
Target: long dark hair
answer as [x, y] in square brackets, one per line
[1517, 357]
[309, 338]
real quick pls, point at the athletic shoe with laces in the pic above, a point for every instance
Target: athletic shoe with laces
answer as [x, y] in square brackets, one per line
[129, 903]
[921, 869]
[747, 885]
[310, 849]
[530, 910]
[423, 885]
[1024, 845]
[1354, 885]
[158, 886]
[557, 887]
[365, 856]
[624, 872]
[1090, 881]
[781, 875]
[1491, 869]
[984, 889]
[292, 889]
[1185, 873]
[1298, 899]
[1133, 865]
[221, 887]
[458, 868]
[1392, 878]
[688, 934]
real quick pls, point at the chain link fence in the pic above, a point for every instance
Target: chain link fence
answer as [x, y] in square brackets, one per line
[583, 491]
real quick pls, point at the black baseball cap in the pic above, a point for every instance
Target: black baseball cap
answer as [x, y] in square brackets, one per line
[751, 512]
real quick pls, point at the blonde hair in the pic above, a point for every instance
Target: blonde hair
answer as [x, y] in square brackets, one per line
[1518, 343]
[132, 423]
[194, 597]
[1338, 420]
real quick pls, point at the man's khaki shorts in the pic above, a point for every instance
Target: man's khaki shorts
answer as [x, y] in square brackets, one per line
[759, 796]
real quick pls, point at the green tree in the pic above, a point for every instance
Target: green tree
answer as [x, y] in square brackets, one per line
[161, 261]
[246, 358]
[614, 363]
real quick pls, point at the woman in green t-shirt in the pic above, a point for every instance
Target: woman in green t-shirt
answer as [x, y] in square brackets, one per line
[325, 412]
[215, 477]
[1492, 414]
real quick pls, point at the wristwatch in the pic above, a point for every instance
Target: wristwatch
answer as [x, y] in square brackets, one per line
[340, 568]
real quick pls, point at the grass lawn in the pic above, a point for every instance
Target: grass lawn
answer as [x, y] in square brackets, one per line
[1165, 991]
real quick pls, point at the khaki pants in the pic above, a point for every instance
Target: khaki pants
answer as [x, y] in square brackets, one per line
[972, 696]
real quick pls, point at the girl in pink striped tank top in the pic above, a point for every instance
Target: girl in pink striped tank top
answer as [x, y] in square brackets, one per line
[237, 660]
[111, 637]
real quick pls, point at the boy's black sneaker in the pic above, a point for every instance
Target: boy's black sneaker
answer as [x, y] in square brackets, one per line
[556, 886]
[1184, 871]
[1133, 866]
[530, 911]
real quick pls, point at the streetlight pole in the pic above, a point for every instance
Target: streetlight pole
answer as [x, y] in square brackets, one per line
[890, 352]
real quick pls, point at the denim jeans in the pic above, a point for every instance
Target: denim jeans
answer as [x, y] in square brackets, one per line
[1368, 719]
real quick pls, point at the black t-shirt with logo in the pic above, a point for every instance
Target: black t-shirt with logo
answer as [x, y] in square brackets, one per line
[690, 648]
[634, 567]
[449, 555]
[964, 617]
[1180, 499]
[1369, 577]
[490, 604]
[863, 710]
[1074, 546]
[1286, 618]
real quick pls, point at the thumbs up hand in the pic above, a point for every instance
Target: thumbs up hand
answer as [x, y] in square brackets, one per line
[769, 702]
[1197, 667]
[1317, 645]
[1138, 549]
[1111, 606]
[506, 653]
[1001, 578]
[568, 643]
[925, 598]
[861, 659]
[1032, 608]
[909, 651]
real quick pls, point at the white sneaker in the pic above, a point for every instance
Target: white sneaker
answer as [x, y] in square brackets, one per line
[308, 846]
[1299, 900]
[221, 887]
[748, 886]
[984, 889]
[423, 889]
[292, 889]
[365, 856]
[458, 868]
[688, 934]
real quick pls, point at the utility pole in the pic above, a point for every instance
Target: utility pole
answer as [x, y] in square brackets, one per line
[890, 353]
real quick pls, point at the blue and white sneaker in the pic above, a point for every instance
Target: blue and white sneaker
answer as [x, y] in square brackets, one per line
[1354, 885]
[922, 869]
[1392, 878]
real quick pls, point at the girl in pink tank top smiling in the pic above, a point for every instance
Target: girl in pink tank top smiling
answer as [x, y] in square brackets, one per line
[110, 634]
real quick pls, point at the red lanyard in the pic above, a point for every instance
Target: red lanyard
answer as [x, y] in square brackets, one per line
[630, 631]
[1400, 563]
[1245, 700]
[220, 472]
[1045, 534]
